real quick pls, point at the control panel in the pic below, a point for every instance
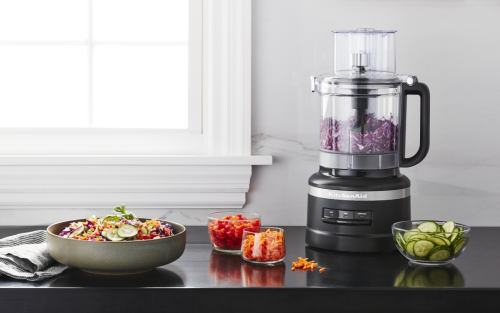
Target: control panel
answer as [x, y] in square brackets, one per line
[347, 217]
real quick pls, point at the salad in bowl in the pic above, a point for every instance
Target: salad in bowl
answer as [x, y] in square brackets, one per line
[121, 225]
[116, 244]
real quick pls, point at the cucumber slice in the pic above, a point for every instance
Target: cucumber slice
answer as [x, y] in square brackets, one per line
[460, 233]
[417, 236]
[400, 237]
[459, 245]
[440, 253]
[78, 230]
[439, 235]
[92, 218]
[428, 227]
[409, 247]
[410, 233]
[443, 237]
[422, 248]
[401, 242]
[127, 231]
[448, 242]
[448, 227]
[112, 234]
[438, 241]
[455, 234]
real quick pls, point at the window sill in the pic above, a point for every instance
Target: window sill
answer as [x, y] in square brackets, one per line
[36, 188]
[7, 160]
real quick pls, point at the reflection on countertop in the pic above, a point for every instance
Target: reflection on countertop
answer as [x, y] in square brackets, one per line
[226, 270]
[430, 277]
[255, 275]
[158, 277]
[344, 269]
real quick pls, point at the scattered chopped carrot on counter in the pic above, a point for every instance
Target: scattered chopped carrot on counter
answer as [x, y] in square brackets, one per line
[305, 265]
[322, 270]
[264, 247]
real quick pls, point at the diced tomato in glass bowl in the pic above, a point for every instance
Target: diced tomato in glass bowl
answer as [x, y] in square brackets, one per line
[226, 229]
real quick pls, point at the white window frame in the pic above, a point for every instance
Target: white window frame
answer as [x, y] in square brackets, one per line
[120, 141]
[216, 178]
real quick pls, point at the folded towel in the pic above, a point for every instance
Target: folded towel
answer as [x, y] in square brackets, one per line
[25, 256]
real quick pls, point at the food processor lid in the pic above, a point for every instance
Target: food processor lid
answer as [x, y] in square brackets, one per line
[364, 63]
[365, 53]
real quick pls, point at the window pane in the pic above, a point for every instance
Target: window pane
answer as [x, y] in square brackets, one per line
[39, 20]
[143, 87]
[43, 86]
[141, 20]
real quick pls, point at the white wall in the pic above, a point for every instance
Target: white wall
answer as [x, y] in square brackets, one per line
[452, 46]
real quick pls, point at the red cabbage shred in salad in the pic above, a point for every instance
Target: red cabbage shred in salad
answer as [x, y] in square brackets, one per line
[119, 226]
[379, 135]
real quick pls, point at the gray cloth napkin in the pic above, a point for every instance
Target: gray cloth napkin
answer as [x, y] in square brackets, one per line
[25, 256]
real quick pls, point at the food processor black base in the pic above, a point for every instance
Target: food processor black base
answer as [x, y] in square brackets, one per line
[355, 214]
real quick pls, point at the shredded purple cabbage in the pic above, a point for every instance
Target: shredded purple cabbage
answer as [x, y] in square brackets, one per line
[66, 231]
[380, 135]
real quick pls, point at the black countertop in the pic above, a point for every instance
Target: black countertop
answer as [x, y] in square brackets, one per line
[205, 281]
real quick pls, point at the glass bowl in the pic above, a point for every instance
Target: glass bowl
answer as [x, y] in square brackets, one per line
[263, 245]
[226, 229]
[430, 248]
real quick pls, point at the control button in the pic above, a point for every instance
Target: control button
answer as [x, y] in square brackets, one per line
[344, 221]
[361, 222]
[362, 215]
[331, 213]
[329, 220]
[348, 215]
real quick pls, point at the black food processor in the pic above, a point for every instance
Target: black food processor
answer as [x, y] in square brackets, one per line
[359, 191]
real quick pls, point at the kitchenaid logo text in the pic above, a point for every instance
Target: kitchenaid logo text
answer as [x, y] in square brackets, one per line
[344, 196]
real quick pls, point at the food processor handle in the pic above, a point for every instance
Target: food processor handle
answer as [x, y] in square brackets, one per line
[421, 90]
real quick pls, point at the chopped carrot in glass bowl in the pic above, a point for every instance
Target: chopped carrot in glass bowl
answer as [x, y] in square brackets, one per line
[265, 245]
[226, 229]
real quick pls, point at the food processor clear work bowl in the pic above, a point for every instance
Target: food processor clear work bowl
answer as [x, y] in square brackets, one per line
[363, 104]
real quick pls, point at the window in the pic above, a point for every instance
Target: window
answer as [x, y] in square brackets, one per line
[47, 169]
[101, 76]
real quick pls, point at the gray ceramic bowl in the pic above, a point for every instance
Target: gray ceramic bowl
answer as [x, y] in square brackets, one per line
[115, 258]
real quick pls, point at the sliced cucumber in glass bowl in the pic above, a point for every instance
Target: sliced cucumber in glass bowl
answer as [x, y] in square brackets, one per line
[430, 242]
